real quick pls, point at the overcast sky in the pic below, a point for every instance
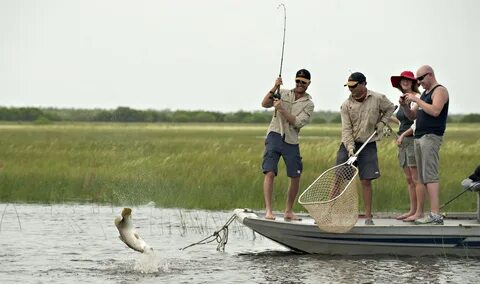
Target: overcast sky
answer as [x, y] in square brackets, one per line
[225, 55]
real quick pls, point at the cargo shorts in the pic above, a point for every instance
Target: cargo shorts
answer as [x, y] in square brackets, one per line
[275, 147]
[427, 150]
[406, 153]
[367, 160]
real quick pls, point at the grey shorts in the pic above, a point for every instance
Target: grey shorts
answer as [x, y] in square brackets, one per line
[406, 153]
[367, 161]
[427, 150]
[276, 147]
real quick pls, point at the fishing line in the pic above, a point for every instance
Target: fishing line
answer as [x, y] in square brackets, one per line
[221, 236]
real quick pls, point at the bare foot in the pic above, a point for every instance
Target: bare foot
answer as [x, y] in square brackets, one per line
[413, 218]
[291, 217]
[269, 217]
[403, 216]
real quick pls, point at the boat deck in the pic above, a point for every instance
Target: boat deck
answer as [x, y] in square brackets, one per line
[381, 220]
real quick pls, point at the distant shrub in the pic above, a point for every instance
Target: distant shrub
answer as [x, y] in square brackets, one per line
[319, 120]
[42, 120]
[204, 117]
[337, 119]
[473, 117]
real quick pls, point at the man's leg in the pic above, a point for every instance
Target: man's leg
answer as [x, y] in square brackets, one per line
[433, 190]
[291, 195]
[293, 162]
[271, 157]
[368, 171]
[267, 194]
[367, 197]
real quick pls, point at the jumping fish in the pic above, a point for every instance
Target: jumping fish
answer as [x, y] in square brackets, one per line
[128, 235]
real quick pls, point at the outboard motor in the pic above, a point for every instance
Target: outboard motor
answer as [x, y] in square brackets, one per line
[472, 183]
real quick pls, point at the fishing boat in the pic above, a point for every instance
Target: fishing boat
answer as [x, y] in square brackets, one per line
[459, 236]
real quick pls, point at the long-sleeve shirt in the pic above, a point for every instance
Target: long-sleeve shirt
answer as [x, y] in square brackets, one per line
[302, 109]
[359, 119]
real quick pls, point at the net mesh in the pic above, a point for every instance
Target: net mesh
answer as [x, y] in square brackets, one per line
[332, 199]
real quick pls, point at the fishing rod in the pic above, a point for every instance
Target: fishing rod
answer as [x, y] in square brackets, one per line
[284, 31]
[277, 94]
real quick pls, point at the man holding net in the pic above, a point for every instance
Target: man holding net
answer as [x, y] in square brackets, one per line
[364, 112]
[293, 110]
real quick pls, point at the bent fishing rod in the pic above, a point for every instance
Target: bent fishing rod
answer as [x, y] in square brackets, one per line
[277, 94]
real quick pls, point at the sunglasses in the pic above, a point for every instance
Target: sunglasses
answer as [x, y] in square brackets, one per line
[420, 78]
[354, 86]
[300, 82]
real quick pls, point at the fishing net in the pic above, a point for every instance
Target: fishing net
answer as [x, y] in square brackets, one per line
[332, 199]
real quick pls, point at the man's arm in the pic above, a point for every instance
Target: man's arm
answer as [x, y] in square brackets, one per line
[267, 101]
[347, 129]
[300, 120]
[386, 109]
[394, 119]
[439, 99]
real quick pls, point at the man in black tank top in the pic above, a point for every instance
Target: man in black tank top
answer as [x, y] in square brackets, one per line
[431, 113]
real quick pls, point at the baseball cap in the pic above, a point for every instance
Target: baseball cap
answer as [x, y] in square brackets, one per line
[303, 74]
[355, 78]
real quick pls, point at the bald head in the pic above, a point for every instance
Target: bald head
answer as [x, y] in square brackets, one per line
[426, 77]
[424, 70]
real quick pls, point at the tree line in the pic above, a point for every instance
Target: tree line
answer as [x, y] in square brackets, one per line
[126, 114]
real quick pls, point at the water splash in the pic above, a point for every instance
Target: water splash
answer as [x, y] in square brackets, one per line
[149, 262]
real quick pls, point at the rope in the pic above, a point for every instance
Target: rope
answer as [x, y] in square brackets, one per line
[221, 236]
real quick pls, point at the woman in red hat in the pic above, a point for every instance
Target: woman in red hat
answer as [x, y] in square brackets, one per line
[407, 83]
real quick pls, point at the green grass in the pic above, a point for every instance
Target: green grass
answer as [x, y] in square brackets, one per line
[213, 166]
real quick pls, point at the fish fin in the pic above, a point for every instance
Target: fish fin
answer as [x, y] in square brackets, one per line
[134, 248]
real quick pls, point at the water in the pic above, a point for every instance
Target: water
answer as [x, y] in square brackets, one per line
[71, 243]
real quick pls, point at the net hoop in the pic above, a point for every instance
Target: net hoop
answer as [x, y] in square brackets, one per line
[332, 199]
[310, 187]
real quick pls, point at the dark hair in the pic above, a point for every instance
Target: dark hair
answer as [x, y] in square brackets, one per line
[414, 86]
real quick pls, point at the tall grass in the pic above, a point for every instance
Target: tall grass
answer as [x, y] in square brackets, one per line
[214, 166]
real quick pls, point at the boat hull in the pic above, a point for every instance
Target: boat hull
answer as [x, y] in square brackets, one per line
[459, 237]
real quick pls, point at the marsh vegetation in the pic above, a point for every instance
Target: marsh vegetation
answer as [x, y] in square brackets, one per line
[209, 166]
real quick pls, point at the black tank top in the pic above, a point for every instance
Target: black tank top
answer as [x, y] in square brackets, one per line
[427, 124]
[405, 123]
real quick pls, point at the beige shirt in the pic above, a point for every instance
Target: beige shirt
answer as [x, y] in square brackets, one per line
[360, 118]
[302, 109]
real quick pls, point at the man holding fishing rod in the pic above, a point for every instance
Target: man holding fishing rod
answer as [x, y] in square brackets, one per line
[293, 110]
[364, 112]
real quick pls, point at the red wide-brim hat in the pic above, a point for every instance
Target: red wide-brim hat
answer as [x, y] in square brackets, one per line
[404, 75]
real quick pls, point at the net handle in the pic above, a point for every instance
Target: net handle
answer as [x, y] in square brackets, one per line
[353, 158]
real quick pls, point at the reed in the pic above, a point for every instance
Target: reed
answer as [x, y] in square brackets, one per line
[209, 166]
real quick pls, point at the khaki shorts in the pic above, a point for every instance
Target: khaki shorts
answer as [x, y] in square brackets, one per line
[406, 153]
[428, 159]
